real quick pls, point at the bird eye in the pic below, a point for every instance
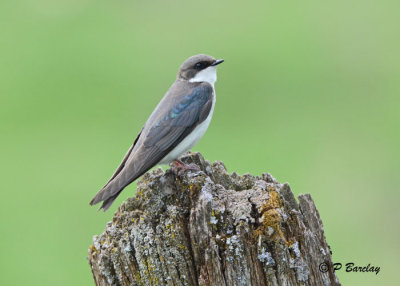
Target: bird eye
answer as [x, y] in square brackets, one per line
[199, 65]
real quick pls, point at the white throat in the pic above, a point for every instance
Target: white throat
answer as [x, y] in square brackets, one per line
[207, 75]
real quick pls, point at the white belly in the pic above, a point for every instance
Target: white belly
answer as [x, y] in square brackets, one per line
[191, 139]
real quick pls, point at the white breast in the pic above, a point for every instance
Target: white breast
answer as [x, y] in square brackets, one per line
[191, 139]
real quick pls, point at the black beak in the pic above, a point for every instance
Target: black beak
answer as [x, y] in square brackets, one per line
[217, 62]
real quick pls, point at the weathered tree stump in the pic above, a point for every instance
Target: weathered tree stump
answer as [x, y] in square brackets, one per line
[212, 228]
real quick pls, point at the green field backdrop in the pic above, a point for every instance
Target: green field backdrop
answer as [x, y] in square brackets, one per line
[309, 92]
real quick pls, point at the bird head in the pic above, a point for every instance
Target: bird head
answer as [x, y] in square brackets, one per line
[199, 68]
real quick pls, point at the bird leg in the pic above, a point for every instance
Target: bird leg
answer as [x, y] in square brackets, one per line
[180, 168]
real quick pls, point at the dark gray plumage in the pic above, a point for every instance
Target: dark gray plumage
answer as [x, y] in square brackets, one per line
[185, 106]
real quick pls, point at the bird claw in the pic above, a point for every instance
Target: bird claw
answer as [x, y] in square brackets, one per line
[180, 168]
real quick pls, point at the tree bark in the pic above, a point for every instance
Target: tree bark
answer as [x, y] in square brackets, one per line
[212, 228]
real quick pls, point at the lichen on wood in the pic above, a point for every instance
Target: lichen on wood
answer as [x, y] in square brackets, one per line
[212, 228]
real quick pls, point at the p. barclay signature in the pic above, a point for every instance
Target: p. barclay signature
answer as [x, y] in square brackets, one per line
[349, 267]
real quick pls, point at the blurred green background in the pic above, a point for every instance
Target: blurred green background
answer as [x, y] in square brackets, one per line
[309, 92]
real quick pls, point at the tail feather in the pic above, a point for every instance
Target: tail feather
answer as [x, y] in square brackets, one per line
[108, 194]
[113, 188]
[125, 175]
[116, 184]
[109, 201]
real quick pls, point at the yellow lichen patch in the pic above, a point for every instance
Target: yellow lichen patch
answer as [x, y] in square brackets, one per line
[273, 202]
[271, 218]
[92, 248]
[151, 273]
[194, 189]
[214, 220]
[138, 278]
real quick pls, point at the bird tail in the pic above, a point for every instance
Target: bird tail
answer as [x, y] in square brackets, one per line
[114, 187]
[125, 174]
[107, 195]
[106, 202]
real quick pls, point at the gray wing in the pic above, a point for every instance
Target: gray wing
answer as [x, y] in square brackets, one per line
[171, 127]
[122, 164]
[177, 123]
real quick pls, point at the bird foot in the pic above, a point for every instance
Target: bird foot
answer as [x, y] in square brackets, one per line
[180, 168]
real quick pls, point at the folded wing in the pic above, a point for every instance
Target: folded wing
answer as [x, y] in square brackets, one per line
[160, 137]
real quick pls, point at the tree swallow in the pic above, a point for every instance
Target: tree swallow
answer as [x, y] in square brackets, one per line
[175, 126]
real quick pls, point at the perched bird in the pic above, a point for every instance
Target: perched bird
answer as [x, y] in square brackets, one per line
[175, 126]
